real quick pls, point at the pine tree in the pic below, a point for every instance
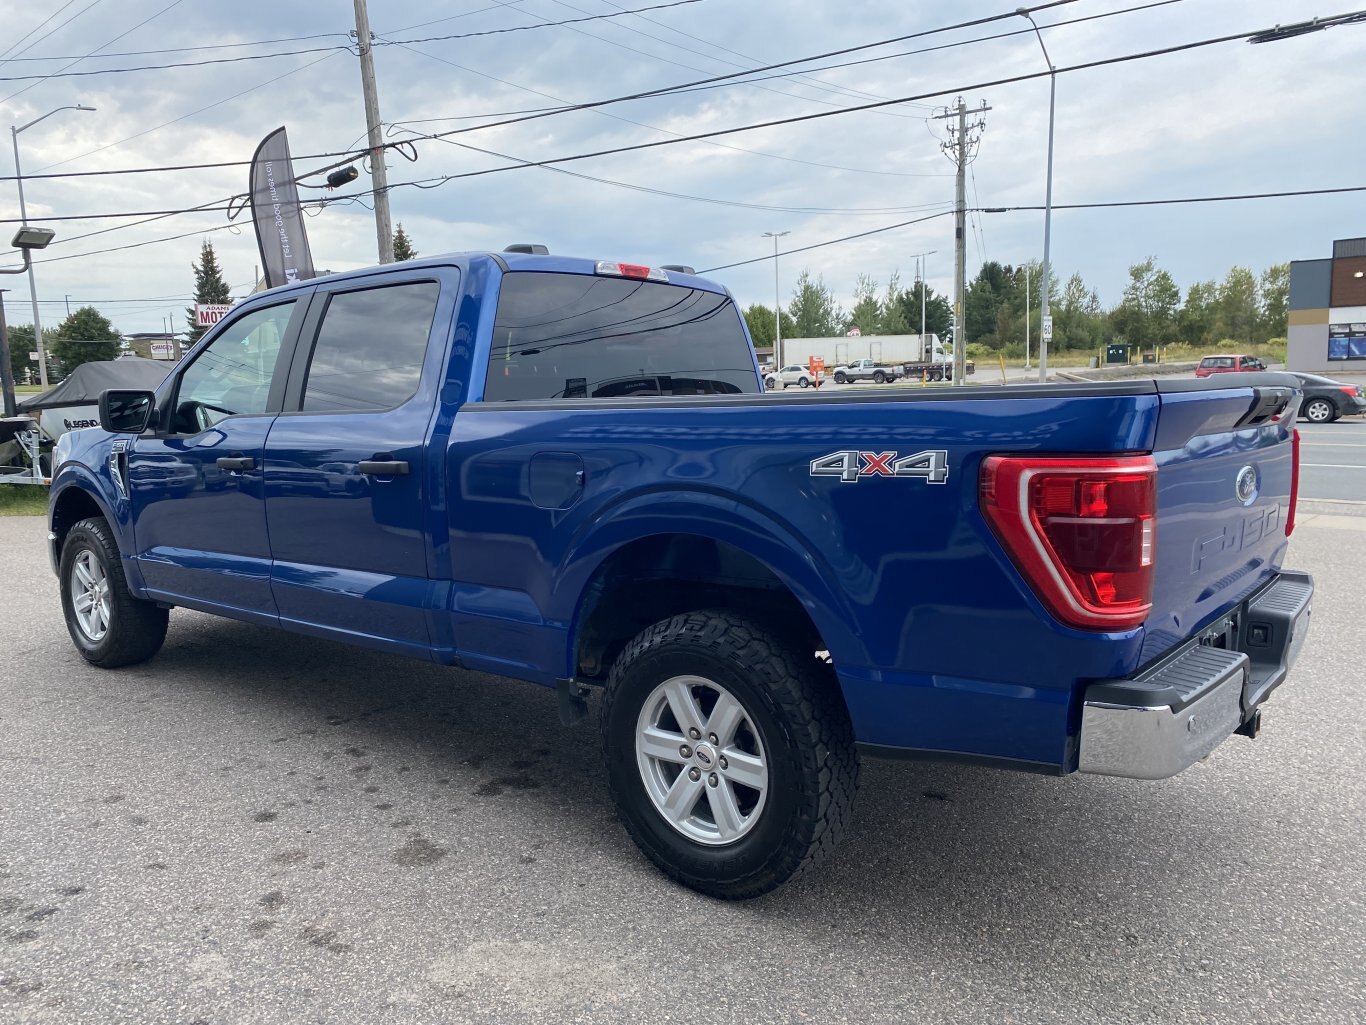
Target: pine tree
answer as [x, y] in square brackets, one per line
[403, 246]
[209, 287]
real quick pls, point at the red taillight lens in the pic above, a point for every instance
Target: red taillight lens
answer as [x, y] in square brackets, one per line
[1294, 483]
[1081, 530]
[1350, 389]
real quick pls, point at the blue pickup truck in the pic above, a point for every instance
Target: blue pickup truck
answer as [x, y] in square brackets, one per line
[567, 472]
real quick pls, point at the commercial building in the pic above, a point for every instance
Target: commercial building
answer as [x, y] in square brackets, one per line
[1327, 330]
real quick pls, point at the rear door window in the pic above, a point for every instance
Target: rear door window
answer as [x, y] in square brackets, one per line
[370, 348]
[579, 336]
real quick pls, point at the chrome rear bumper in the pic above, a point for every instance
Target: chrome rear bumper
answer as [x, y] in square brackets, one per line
[1177, 711]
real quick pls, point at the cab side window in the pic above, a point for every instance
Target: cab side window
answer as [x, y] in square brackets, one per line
[232, 376]
[370, 348]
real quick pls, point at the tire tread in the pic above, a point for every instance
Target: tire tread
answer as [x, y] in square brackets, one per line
[808, 697]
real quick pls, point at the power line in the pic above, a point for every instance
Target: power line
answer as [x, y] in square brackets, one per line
[179, 64]
[800, 118]
[668, 90]
[834, 241]
[187, 49]
[295, 53]
[182, 117]
[641, 146]
[542, 24]
[1178, 202]
[829, 242]
[173, 3]
[843, 211]
[55, 28]
[565, 107]
[689, 67]
[809, 80]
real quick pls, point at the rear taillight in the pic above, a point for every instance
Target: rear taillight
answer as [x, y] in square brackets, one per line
[1082, 531]
[1350, 390]
[1294, 483]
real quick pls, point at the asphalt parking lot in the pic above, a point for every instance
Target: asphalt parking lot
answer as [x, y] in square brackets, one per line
[256, 827]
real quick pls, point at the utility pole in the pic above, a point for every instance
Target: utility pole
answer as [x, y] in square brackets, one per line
[384, 227]
[961, 147]
[777, 302]
[919, 273]
[1026, 366]
[6, 376]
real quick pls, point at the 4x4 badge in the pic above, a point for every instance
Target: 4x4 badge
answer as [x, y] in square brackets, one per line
[851, 466]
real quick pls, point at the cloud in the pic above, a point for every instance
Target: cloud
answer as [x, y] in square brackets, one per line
[1229, 118]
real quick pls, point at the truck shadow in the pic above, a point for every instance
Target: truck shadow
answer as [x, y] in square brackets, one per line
[956, 856]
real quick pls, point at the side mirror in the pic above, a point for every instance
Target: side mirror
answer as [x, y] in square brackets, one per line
[126, 412]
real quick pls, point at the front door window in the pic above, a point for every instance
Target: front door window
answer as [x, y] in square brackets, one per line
[232, 376]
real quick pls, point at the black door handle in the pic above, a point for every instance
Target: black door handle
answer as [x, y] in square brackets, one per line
[384, 467]
[236, 463]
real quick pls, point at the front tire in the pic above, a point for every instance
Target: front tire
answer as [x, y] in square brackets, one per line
[109, 626]
[766, 786]
[840, 379]
[1319, 411]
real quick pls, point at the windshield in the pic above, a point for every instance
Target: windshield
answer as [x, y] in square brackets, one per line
[568, 336]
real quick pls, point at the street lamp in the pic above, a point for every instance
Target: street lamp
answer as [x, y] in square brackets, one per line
[777, 302]
[1045, 320]
[23, 219]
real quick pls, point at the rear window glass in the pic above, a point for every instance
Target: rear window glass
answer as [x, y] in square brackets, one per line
[579, 336]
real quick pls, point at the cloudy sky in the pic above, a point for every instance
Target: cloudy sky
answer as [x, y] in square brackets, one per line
[1229, 118]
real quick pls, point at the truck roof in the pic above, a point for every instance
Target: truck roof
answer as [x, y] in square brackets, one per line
[552, 264]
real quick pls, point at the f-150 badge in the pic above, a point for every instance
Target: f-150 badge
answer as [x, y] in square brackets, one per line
[852, 466]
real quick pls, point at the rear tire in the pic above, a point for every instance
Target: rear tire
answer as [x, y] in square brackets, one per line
[109, 626]
[779, 722]
[1319, 411]
[879, 377]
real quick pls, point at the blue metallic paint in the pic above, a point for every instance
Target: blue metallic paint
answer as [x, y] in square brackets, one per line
[939, 644]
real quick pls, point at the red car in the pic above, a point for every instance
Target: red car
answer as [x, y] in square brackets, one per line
[1227, 365]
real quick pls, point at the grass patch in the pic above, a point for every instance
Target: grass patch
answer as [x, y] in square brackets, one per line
[23, 500]
[27, 389]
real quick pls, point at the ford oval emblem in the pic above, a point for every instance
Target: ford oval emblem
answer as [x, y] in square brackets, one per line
[1245, 485]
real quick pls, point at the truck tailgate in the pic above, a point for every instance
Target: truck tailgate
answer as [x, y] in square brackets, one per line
[1225, 457]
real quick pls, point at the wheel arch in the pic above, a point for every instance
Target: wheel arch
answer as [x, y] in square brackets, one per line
[639, 566]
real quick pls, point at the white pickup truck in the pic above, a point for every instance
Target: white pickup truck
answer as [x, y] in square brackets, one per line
[868, 370]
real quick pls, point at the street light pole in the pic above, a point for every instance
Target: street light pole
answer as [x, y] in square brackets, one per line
[1026, 366]
[777, 302]
[1044, 316]
[23, 220]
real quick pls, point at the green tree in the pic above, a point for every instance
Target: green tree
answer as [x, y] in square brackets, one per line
[403, 246]
[1146, 315]
[1239, 310]
[1275, 301]
[21, 344]
[891, 317]
[867, 312]
[84, 337]
[813, 309]
[938, 311]
[209, 287]
[759, 320]
[1195, 322]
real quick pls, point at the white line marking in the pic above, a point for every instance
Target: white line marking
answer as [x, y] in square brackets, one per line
[1336, 466]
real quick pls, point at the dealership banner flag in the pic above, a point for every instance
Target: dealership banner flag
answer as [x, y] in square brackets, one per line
[280, 234]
